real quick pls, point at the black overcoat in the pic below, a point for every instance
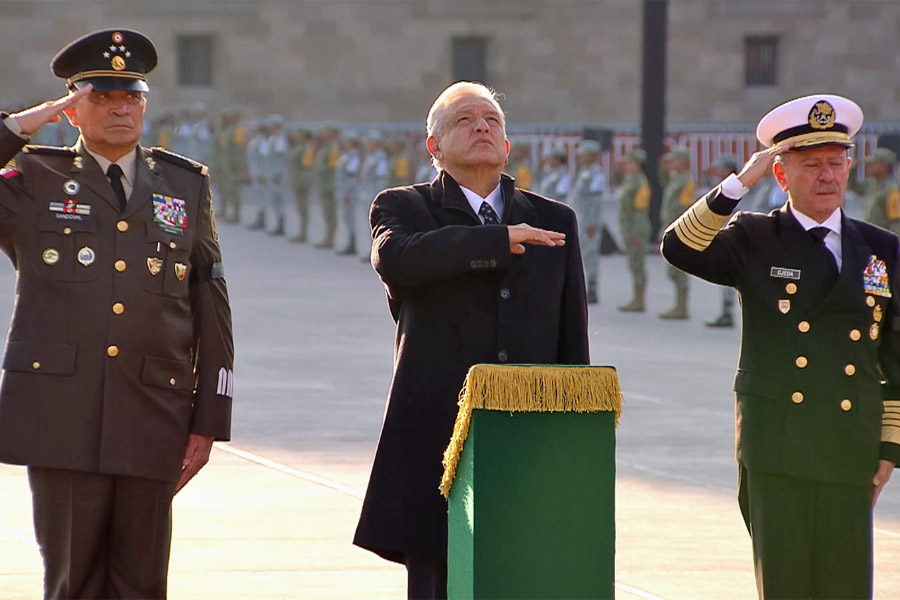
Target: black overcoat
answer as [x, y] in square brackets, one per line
[459, 297]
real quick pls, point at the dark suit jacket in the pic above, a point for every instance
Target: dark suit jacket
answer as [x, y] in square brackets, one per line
[819, 356]
[459, 297]
[120, 343]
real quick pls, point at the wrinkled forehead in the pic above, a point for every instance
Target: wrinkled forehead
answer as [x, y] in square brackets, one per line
[474, 104]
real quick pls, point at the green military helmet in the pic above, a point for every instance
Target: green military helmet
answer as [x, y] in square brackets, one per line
[588, 147]
[637, 155]
[678, 153]
[882, 155]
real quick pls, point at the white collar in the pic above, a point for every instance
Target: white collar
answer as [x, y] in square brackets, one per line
[495, 199]
[127, 163]
[833, 222]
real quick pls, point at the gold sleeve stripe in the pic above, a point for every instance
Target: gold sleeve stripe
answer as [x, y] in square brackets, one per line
[890, 422]
[697, 227]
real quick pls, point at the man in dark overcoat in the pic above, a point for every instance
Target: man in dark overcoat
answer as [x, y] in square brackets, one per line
[818, 381]
[476, 271]
[117, 374]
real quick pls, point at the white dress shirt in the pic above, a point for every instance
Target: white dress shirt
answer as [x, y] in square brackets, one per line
[833, 223]
[495, 199]
[127, 163]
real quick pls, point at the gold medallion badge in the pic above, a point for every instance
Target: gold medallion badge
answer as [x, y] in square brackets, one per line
[873, 331]
[877, 314]
[50, 256]
[154, 265]
[117, 63]
[822, 115]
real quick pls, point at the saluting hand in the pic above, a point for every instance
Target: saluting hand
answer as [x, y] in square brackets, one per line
[32, 119]
[195, 456]
[882, 476]
[522, 234]
[761, 163]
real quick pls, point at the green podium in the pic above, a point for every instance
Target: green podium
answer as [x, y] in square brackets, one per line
[530, 479]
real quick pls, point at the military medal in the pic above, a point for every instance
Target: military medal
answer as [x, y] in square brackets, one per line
[784, 306]
[170, 214]
[71, 187]
[180, 271]
[877, 314]
[86, 256]
[50, 256]
[873, 331]
[875, 278]
[154, 265]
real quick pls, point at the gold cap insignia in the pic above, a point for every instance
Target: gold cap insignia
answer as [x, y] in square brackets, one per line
[117, 63]
[784, 306]
[822, 115]
[180, 271]
[154, 265]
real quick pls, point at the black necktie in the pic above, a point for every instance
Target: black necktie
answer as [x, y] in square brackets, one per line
[487, 213]
[114, 172]
[820, 233]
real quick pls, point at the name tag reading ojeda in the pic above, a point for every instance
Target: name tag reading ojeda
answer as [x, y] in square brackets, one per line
[785, 273]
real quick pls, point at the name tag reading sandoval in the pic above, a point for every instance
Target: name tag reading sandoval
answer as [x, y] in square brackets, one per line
[785, 273]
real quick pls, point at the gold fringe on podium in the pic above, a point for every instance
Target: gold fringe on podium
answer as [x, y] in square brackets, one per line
[525, 388]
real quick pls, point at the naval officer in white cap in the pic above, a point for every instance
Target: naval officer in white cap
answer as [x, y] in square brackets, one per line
[818, 379]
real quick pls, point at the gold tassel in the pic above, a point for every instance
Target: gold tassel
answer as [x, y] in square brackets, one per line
[524, 388]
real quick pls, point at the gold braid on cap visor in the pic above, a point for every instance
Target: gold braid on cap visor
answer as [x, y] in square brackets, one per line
[104, 73]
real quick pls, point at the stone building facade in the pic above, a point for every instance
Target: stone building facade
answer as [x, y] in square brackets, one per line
[558, 62]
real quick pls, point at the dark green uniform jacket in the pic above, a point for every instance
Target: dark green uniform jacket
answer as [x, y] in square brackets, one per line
[819, 373]
[120, 343]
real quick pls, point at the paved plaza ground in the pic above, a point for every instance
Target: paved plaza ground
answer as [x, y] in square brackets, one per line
[273, 514]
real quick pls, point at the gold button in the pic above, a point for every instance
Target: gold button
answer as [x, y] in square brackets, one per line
[791, 288]
[855, 335]
[172, 245]
[846, 405]
[112, 351]
[801, 362]
[172, 381]
[803, 326]
[122, 226]
[118, 308]
[35, 365]
[67, 230]
[850, 370]
[120, 265]
[870, 300]
[797, 397]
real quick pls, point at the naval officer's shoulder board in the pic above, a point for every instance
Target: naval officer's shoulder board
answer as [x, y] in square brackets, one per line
[179, 160]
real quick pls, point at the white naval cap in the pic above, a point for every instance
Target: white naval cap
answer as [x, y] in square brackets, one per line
[811, 121]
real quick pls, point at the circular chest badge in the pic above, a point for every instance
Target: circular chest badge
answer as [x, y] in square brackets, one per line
[50, 256]
[86, 256]
[71, 187]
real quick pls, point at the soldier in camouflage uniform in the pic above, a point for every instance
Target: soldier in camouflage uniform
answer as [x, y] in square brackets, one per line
[326, 163]
[301, 160]
[373, 178]
[346, 186]
[879, 191]
[679, 194]
[586, 199]
[232, 140]
[398, 164]
[520, 165]
[634, 224]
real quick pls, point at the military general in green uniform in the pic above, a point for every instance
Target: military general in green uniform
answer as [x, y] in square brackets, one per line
[634, 223]
[117, 375]
[677, 197]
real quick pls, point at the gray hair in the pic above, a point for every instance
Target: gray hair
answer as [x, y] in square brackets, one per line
[436, 122]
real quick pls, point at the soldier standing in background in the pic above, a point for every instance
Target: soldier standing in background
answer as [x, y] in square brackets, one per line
[232, 141]
[398, 163]
[373, 179]
[201, 138]
[587, 195]
[679, 194]
[326, 163]
[181, 132]
[257, 154]
[426, 171]
[277, 171]
[723, 166]
[634, 222]
[520, 165]
[346, 184]
[555, 179]
[879, 191]
[301, 160]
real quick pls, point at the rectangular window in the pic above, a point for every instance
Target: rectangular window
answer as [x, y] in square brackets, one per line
[761, 60]
[470, 59]
[195, 60]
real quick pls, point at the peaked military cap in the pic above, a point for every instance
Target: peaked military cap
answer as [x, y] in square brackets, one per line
[812, 121]
[111, 59]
